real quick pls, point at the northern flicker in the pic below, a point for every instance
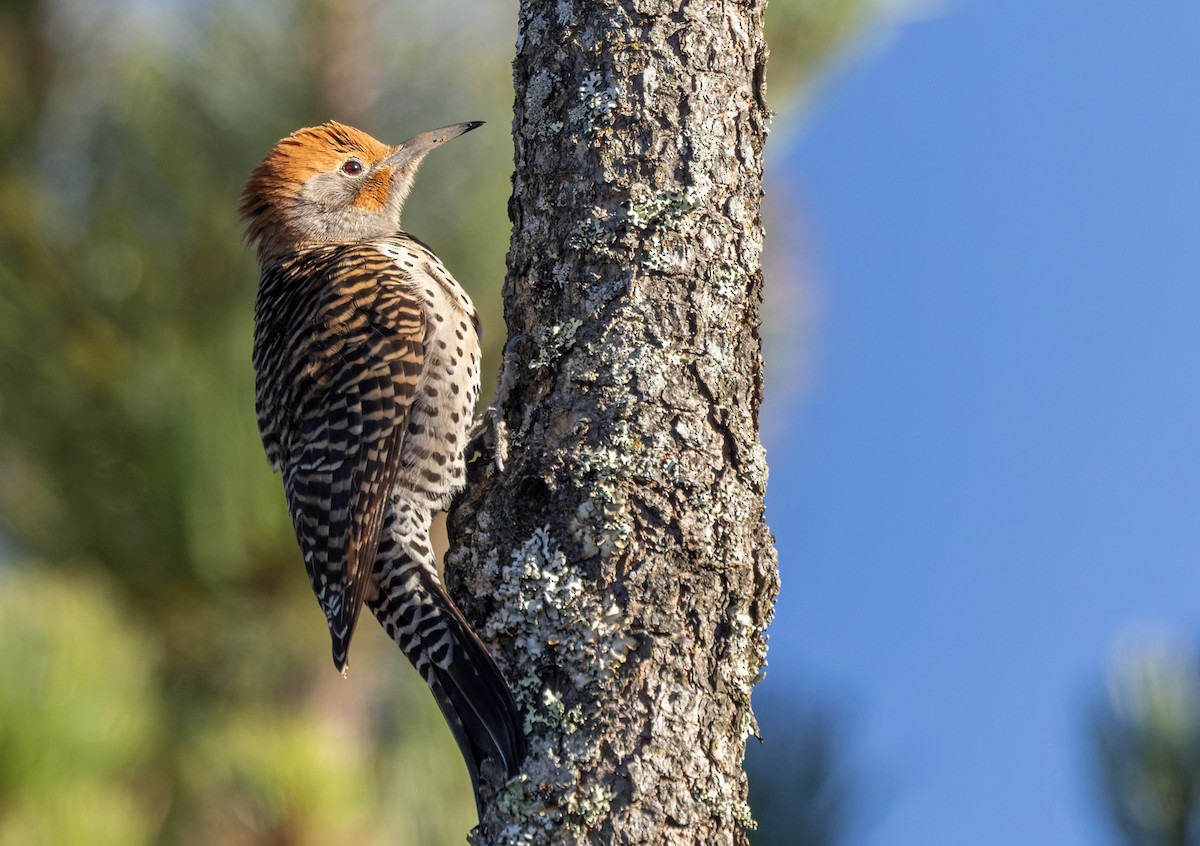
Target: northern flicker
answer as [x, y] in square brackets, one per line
[366, 354]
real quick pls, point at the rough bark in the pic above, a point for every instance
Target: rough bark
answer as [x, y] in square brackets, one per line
[621, 565]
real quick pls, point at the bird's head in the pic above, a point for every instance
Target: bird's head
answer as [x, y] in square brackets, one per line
[331, 184]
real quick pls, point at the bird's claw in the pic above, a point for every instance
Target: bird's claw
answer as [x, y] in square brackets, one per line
[490, 432]
[489, 435]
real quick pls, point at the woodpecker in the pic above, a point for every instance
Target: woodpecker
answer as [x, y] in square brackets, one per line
[366, 358]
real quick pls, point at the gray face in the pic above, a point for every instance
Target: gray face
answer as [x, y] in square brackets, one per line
[330, 206]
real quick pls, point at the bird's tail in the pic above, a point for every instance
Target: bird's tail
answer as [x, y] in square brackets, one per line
[415, 610]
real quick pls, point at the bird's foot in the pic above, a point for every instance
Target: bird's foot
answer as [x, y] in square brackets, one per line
[490, 431]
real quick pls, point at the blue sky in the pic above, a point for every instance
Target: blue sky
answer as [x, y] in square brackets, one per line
[995, 469]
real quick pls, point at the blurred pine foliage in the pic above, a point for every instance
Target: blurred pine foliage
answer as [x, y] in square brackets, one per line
[1147, 742]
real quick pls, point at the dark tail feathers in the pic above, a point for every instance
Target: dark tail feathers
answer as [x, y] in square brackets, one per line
[467, 684]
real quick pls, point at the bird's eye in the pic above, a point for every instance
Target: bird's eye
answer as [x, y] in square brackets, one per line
[352, 167]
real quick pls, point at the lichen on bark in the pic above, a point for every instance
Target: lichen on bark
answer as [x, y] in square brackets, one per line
[620, 565]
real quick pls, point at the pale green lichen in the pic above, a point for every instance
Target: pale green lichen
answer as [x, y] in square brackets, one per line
[654, 257]
[537, 95]
[741, 665]
[553, 341]
[590, 235]
[596, 104]
[663, 209]
[536, 823]
[730, 281]
[722, 800]
[537, 92]
[594, 804]
[656, 215]
[603, 524]
[560, 630]
[598, 525]
[540, 823]
[563, 626]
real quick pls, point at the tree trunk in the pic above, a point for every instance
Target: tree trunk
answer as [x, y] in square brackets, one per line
[620, 564]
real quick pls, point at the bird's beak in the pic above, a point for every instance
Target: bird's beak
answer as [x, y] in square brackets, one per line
[415, 148]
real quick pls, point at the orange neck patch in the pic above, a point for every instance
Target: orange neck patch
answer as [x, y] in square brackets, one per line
[375, 191]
